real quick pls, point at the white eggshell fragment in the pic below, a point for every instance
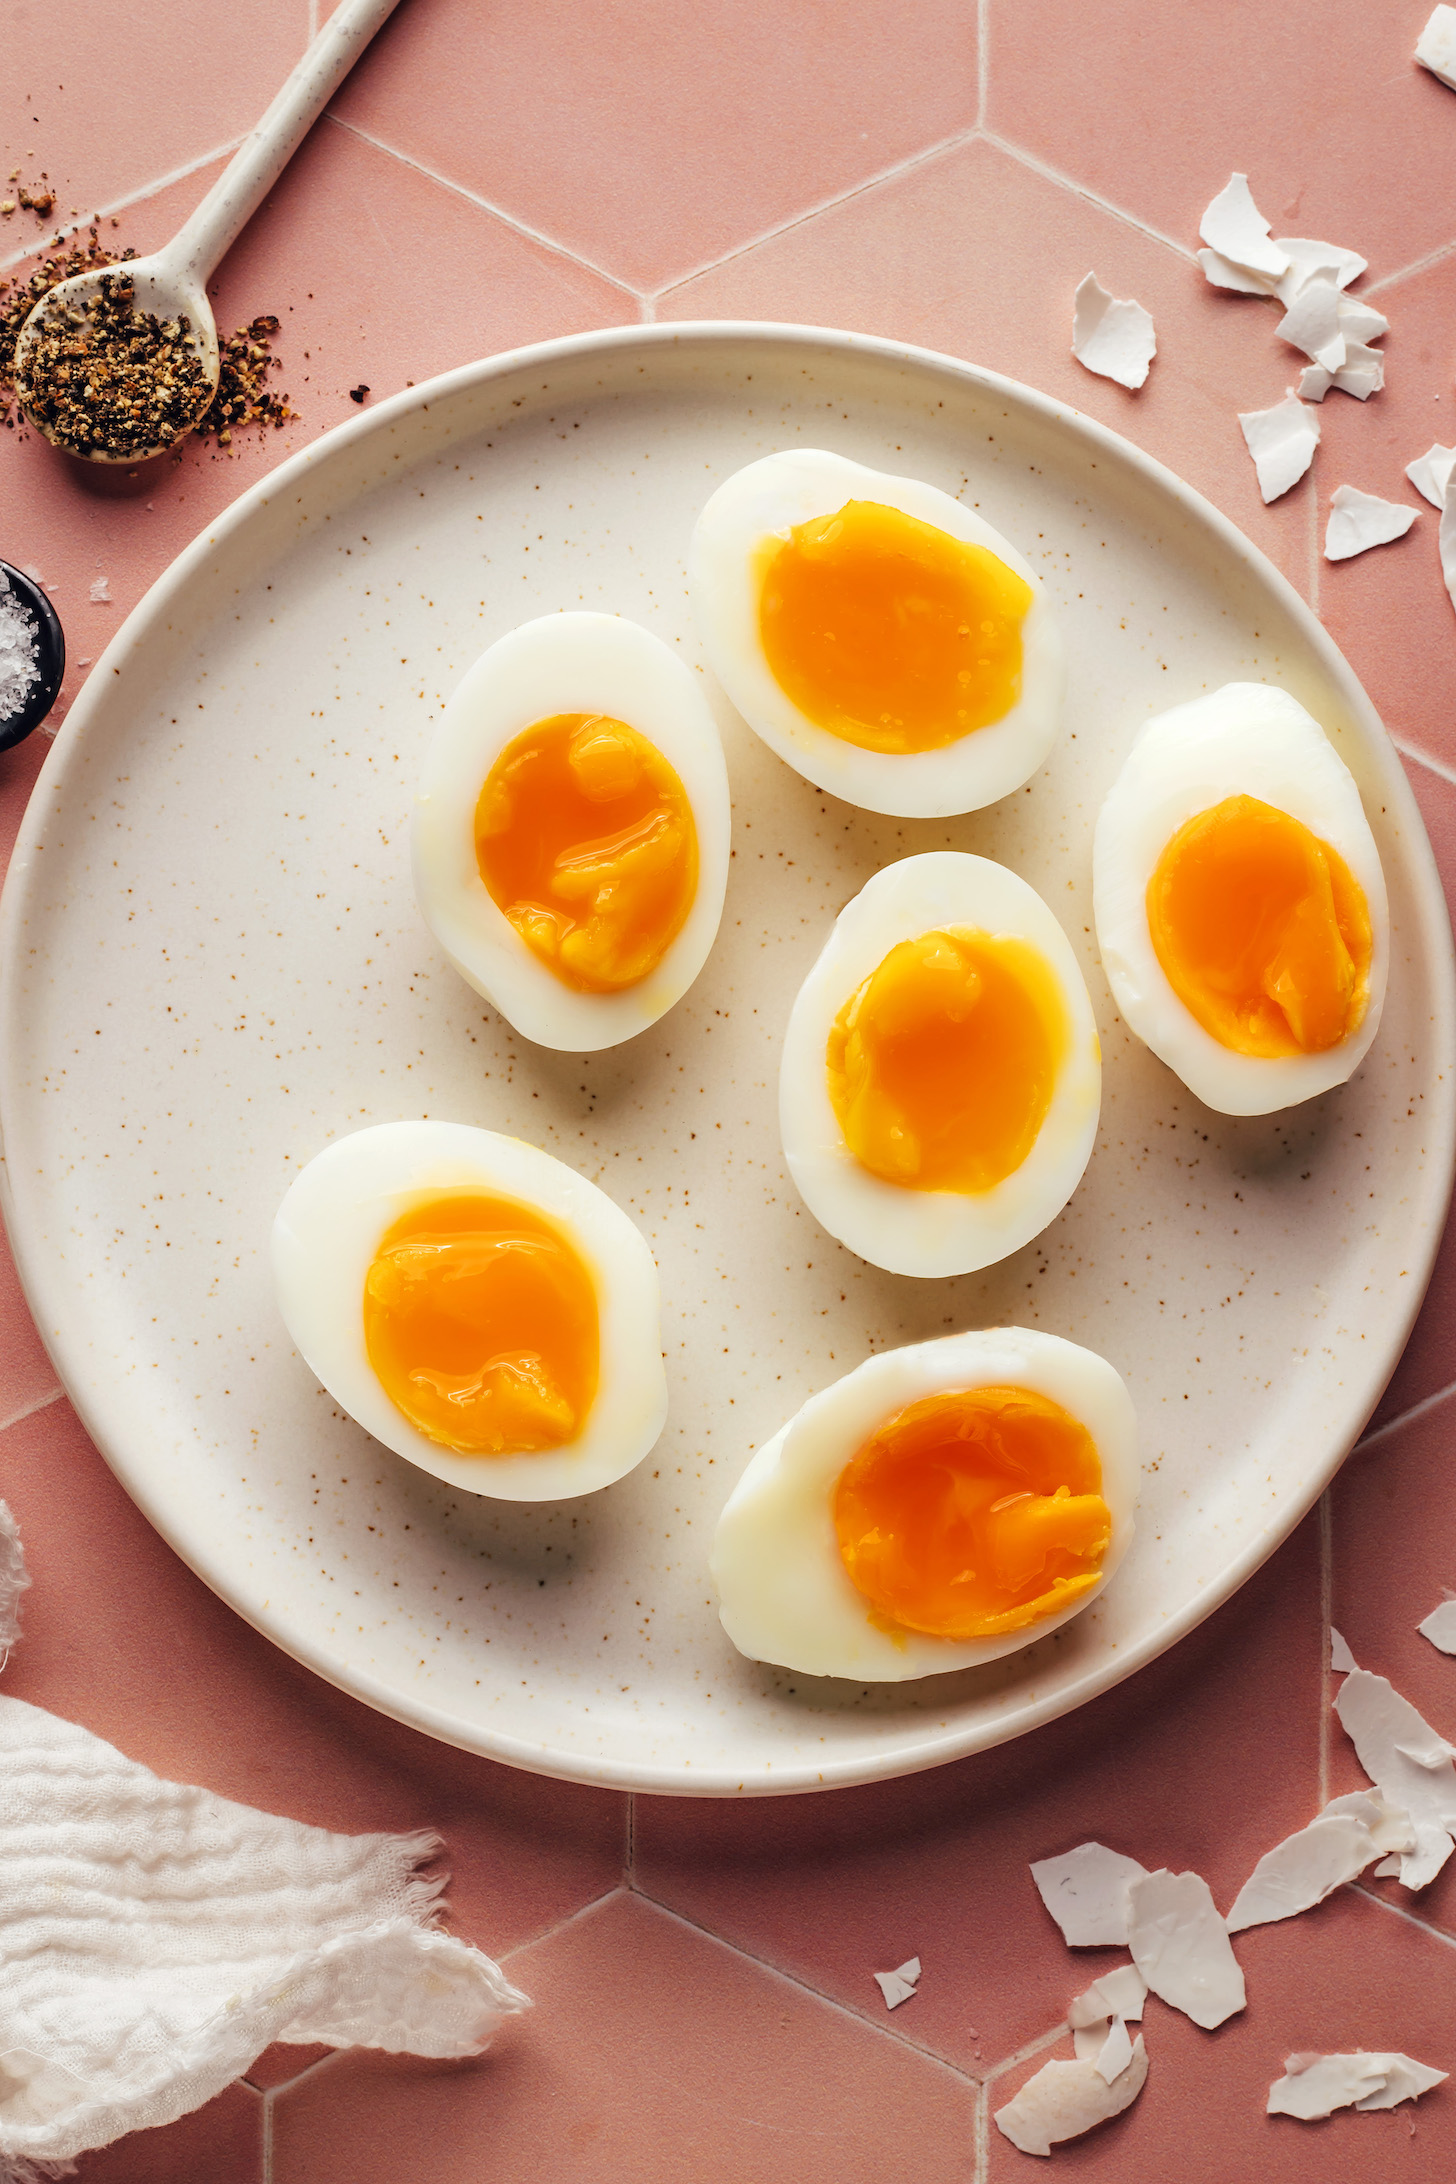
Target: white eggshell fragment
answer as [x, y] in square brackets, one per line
[1359, 521]
[781, 491]
[785, 1595]
[1385, 1730]
[1302, 1870]
[1085, 1891]
[1221, 272]
[925, 1232]
[564, 663]
[1430, 473]
[1065, 2099]
[1316, 2085]
[1112, 337]
[1234, 226]
[1282, 441]
[1448, 546]
[325, 1236]
[1440, 1626]
[1308, 259]
[1245, 739]
[1119, 1993]
[899, 1986]
[1390, 1828]
[1181, 1946]
[1436, 45]
[1342, 1660]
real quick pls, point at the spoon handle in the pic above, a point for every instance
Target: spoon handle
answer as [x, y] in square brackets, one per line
[262, 157]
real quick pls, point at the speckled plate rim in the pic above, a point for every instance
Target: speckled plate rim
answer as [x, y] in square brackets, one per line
[55, 1307]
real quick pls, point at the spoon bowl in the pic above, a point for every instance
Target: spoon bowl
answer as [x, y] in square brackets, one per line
[162, 289]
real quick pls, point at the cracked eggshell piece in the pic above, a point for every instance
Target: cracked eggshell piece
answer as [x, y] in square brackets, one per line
[1282, 441]
[899, 1986]
[1221, 272]
[770, 497]
[934, 1233]
[785, 1595]
[1245, 739]
[1447, 539]
[1359, 521]
[1436, 45]
[1385, 1729]
[1308, 259]
[1440, 1627]
[1430, 473]
[1316, 2085]
[1112, 336]
[1086, 1892]
[1120, 1993]
[1065, 2099]
[329, 1227]
[1312, 323]
[1181, 1946]
[564, 663]
[1234, 226]
[1302, 1870]
[1342, 1660]
[1390, 1828]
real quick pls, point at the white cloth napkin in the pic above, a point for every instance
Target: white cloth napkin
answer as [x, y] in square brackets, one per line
[154, 1939]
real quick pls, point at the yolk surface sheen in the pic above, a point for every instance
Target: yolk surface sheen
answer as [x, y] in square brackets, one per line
[585, 839]
[973, 1512]
[1262, 930]
[890, 633]
[480, 1320]
[943, 1064]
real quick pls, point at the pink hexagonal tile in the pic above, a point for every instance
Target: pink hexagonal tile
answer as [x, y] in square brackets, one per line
[1343, 1977]
[1429, 1361]
[1325, 109]
[1388, 609]
[925, 258]
[221, 2143]
[104, 114]
[117, 1634]
[654, 2053]
[1394, 1545]
[651, 138]
[836, 1888]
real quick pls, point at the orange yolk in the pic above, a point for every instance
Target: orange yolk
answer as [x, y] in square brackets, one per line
[585, 839]
[1262, 931]
[890, 633]
[973, 1512]
[942, 1065]
[480, 1320]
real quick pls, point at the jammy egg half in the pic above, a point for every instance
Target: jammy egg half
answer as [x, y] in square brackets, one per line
[1239, 901]
[877, 634]
[477, 1306]
[940, 1506]
[570, 833]
[941, 1077]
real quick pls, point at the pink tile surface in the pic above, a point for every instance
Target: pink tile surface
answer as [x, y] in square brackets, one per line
[497, 176]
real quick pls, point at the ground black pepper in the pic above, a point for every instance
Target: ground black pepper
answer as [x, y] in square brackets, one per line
[105, 378]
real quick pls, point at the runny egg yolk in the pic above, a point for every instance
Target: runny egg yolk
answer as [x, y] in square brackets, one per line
[585, 839]
[1262, 930]
[889, 632]
[480, 1321]
[942, 1065]
[973, 1512]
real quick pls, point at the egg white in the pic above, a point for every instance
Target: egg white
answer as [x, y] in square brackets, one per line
[564, 663]
[769, 497]
[784, 1593]
[328, 1229]
[1247, 739]
[934, 1232]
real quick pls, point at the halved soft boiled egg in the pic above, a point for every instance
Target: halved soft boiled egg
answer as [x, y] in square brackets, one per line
[570, 832]
[1239, 901]
[941, 1077]
[477, 1306]
[941, 1505]
[879, 635]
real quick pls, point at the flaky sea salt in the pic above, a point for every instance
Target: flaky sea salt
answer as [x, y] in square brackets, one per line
[101, 591]
[19, 652]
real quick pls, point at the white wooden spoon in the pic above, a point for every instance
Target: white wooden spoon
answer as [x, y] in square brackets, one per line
[172, 283]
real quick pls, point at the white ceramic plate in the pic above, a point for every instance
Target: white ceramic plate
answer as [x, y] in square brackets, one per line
[212, 964]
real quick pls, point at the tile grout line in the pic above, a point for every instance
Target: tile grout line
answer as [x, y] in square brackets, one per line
[982, 2139]
[484, 204]
[549, 1933]
[267, 2161]
[1049, 173]
[1038, 2046]
[1327, 1605]
[1406, 1418]
[983, 60]
[1417, 265]
[792, 1979]
[1422, 758]
[629, 1861]
[28, 1410]
[1398, 1911]
[123, 204]
[953, 143]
